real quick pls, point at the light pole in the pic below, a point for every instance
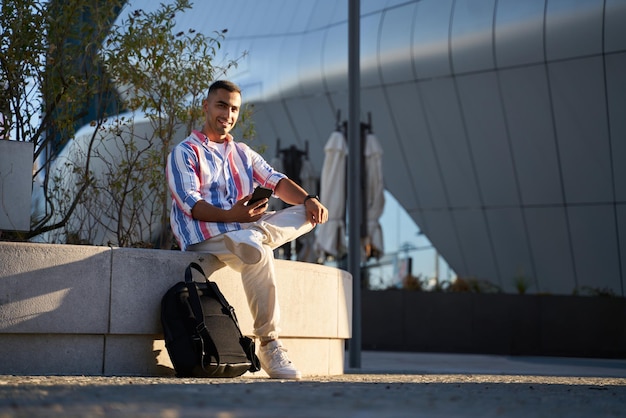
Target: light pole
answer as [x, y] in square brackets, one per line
[354, 174]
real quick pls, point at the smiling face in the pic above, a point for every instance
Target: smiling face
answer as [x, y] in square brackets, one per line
[221, 110]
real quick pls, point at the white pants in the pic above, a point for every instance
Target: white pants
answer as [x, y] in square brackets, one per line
[259, 280]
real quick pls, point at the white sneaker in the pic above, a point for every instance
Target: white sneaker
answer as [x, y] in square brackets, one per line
[274, 361]
[247, 244]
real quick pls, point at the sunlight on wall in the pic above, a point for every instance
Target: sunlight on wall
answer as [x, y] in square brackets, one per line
[14, 313]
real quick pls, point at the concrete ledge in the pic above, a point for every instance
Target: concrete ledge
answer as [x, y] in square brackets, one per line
[95, 310]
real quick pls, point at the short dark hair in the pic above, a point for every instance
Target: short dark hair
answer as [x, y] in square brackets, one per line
[224, 84]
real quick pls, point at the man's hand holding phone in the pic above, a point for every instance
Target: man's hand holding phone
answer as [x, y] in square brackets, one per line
[259, 194]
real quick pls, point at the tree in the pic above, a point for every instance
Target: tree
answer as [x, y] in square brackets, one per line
[138, 84]
[165, 74]
[49, 71]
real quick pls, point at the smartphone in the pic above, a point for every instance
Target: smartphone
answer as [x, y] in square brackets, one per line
[259, 193]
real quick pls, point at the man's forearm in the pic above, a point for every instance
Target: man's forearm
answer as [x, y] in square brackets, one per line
[204, 211]
[289, 192]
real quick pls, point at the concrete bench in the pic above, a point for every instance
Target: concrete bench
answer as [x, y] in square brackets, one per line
[83, 310]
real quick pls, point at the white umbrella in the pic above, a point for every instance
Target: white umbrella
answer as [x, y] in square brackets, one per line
[375, 195]
[331, 236]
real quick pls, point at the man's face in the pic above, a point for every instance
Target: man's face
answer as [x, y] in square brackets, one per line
[221, 110]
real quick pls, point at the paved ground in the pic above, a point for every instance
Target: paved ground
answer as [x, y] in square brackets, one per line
[386, 385]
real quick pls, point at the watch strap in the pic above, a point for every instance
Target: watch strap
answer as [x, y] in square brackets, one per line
[311, 196]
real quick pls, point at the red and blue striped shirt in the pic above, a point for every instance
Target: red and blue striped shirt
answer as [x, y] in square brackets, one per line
[197, 170]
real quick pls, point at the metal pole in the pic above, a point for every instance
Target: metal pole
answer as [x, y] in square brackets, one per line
[354, 175]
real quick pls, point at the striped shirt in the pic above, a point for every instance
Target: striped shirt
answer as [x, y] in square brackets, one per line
[198, 170]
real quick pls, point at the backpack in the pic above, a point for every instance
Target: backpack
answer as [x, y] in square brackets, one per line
[201, 332]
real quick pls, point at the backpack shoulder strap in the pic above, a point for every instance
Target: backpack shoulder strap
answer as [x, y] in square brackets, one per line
[194, 298]
[196, 307]
[246, 343]
[216, 291]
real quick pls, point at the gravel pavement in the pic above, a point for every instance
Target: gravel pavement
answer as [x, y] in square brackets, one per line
[385, 385]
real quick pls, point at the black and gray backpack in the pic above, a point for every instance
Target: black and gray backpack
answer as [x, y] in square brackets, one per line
[201, 331]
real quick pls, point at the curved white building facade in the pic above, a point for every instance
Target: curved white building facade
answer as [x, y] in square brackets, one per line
[503, 121]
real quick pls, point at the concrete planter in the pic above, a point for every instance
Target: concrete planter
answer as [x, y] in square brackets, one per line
[554, 325]
[16, 172]
[96, 310]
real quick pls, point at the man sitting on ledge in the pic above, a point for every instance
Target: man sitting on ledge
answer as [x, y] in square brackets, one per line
[211, 178]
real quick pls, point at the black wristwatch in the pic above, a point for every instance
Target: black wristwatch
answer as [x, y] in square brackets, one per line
[311, 196]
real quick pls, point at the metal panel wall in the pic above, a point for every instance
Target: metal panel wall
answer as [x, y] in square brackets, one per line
[614, 28]
[475, 240]
[528, 113]
[384, 125]
[334, 64]
[370, 66]
[310, 63]
[502, 120]
[616, 102]
[430, 39]
[573, 28]
[594, 245]
[488, 138]
[471, 36]
[443, 113]
[396, 24]
[579, 106]
[415, 149]
[551, 249]
[518, 32]
[513, 256]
